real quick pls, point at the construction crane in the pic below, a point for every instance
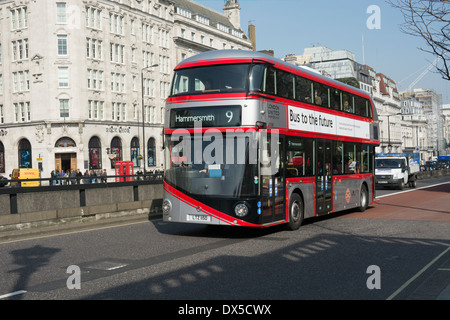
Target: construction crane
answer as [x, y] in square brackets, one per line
[422, 74]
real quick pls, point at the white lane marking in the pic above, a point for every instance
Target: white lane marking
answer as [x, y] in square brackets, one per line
[15, 293]
[433, 185]
[407, 283]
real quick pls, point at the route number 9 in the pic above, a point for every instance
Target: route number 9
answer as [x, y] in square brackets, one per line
[229, 115]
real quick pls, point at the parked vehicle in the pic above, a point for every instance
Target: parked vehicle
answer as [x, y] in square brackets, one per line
[431, 165]
[24, 174]
[443, 162]
[397, 170]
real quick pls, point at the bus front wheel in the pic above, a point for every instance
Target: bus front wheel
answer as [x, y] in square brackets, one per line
[296, 212]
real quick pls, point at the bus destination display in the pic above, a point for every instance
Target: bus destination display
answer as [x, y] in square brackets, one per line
[218, 116]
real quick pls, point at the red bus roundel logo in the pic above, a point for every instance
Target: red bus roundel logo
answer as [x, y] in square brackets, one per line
[348, 195]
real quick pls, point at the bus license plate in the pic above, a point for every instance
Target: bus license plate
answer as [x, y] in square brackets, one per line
[198, 217]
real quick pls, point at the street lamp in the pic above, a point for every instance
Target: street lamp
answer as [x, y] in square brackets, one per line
[143, 113]
[389, 128]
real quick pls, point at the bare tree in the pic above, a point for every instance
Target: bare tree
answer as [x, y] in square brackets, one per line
[429, 20]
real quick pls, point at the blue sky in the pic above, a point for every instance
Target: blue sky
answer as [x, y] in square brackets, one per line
[289, 26]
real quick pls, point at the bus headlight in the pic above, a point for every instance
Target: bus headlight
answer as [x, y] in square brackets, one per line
[241, 209]
[166, 206]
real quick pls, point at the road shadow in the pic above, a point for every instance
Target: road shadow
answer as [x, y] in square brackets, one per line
[322, 267]
[237, 232]
[29, 261]
[213, 231]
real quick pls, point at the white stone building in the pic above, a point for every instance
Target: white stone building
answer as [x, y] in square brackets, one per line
[405, 126]
[71, 71]
[336, 64]
[414, 128]
[446, 130]
[342, 65]
[387, 102]
[431, 103]
[198, 29]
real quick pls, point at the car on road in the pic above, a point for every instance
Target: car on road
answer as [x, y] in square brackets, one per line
[430, 165]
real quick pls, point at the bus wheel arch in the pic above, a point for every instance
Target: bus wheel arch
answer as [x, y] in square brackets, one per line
[296, 210]
[363, 197]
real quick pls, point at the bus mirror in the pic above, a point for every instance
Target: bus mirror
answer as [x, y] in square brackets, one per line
[260, 125]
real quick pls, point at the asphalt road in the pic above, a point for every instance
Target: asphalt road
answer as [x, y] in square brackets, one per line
[380, 254]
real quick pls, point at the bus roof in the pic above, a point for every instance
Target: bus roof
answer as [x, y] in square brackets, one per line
[246, 56]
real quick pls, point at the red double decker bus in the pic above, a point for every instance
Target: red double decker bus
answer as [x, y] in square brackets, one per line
[251, 140]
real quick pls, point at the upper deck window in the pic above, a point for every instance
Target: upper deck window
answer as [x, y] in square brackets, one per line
[211, 79]
[269, 80]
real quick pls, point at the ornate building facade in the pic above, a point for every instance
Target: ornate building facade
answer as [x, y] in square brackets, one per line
[83, 82]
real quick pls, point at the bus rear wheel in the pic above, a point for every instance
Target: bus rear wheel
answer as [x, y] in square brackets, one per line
[296, 212]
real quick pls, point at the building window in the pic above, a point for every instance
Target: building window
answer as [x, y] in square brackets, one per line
[164, 64]
[135, 111]
[150, 114]
[2, 156]
[148, 58]
[149, 87]
[117, 53]
[184, 12]
[65, 142]
[95, 79]
[135, 152]
[223, 28]
[116, 24]
[202, 19]
[118, 82]
[22, 112]
[63, 77]
[62, 45]
[20, 49]
[118, 111]
[63, 108]
[94, 48]
[2, 116]
[61, 14]
[93, 18]
[24, 154]
[95, 153]
[132, 25]
[147, 33]
[95, 109]
[115, 151]
[134, 83]
[151, 152]
[133, 55]
[164, 38]
[19, 18]
[21, 81]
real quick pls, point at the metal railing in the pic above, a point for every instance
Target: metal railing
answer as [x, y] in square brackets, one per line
[78, 180]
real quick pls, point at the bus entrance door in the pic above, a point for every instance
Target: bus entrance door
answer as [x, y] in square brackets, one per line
[324, 192]
[273, 193]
